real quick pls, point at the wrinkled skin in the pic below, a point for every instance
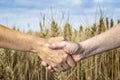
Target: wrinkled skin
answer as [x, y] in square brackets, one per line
[73, 49]
[58, 59]
[12, 39]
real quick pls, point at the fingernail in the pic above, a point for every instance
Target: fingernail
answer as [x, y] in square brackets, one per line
[49, 67]
[52, 44]
[43, 63]
[47, 45]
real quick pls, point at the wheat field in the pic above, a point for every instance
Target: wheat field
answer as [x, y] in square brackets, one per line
[16, 65]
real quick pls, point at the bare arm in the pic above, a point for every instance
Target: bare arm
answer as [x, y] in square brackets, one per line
[95, 45]
[103, 42]
[12, 39]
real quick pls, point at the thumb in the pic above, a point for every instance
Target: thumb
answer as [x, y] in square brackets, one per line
[59, 45]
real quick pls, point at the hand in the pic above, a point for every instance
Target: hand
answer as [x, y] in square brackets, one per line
[73, 49]
[57, 59]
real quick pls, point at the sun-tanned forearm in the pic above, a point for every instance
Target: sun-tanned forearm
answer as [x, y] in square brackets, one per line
[12, 39]
[103, 42]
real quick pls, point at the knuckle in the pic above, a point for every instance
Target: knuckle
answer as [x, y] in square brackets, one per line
[65, 55]
[54, 65]
[60, 61]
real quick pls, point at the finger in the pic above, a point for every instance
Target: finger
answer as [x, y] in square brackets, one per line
[44, 63]
[70, 61]
[65, 66]
[58, 68]
[49, 68]
[72, 48]
[60, 45]
[77, 57]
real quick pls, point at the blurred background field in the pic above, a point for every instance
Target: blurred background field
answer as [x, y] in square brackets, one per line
[16, 65]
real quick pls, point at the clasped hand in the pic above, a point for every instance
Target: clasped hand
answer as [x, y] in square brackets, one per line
[59, 56]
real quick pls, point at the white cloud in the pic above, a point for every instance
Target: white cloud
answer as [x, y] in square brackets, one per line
[21, 17]
[70, 2]
[106, 1]
[27, 2]
[99, 1]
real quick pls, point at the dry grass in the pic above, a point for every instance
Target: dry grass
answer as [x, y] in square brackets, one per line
[26, 66]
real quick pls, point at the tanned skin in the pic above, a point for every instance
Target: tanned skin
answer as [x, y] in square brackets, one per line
[100, 43]
[75, 51]
[12, 39]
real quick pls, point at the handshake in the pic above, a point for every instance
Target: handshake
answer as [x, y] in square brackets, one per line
[59, 55]
[56, 54]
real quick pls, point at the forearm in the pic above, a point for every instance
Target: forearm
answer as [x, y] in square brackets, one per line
[103, 42]
[12, 39]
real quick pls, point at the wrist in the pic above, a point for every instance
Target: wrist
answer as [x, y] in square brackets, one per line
[82, 51]
[79, 52]
[90, 48]
[86, 49]
[37, 43]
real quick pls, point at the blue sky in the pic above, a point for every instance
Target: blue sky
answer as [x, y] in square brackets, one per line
[26, 14]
